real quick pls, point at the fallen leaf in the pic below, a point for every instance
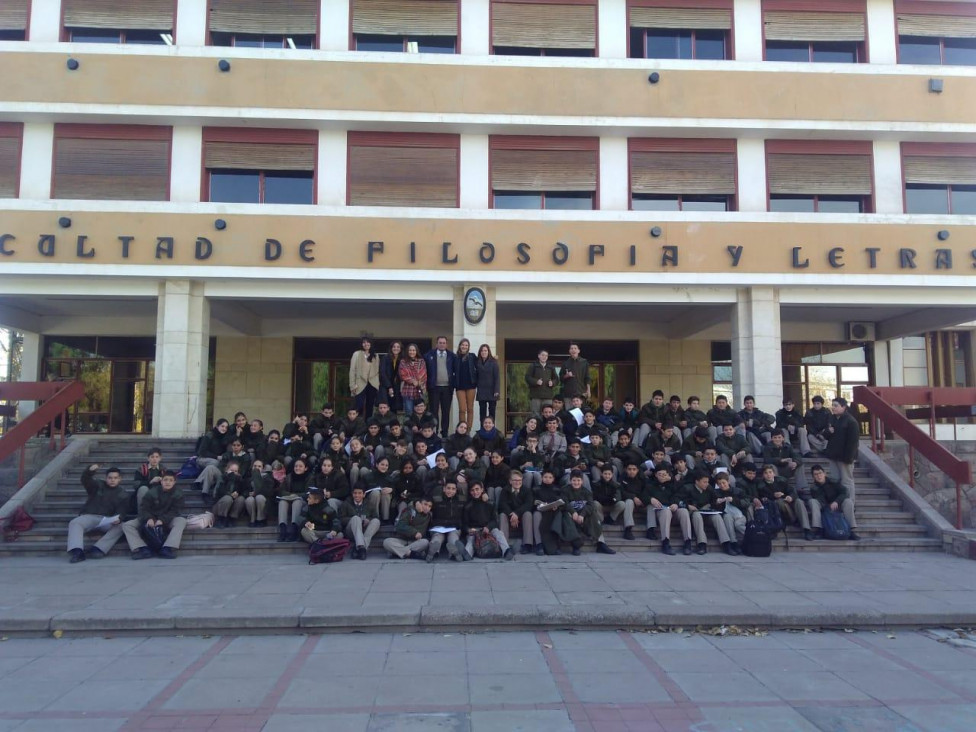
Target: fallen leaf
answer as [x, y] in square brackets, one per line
[547, 645]
[3, 638]
[891, 637]
[57, 633]
[849, 630]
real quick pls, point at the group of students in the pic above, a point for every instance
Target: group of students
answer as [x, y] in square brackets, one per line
[562, 476]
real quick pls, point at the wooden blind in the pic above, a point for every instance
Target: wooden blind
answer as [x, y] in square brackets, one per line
[683, 18]
[543, 170]
[403, 176]
[940, 170]
[9, 166]
[123, 170]
[803, 26]
[541, 25]
[13, 15]
[405, 17]
[129, 15]
[819, 174]
[274, 17]
[682, 173]
[259, 156]
[937, 26]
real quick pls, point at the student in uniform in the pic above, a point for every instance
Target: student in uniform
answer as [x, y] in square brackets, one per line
[147, 475]
[748, 487]
[693, 448]
[360, 522]
[260, 494]
[774, 491]
[487, 439]
[457, 443]
[409, 535]
[598, 456]
[607, 500]
[551, 441]
[629, 418]
[573, 459]
[231, 490]
[666, 440]
[324, 426]
[471, 470]
[497, 476]
[575, 373]
[480, 518]
[515, 504]
[161, 506]
[271, 451]
[209, 449]
[609, 419]
[755, 424]
[290, 503]
[547, 524]
[790, 422]
[661, 492]
[409, 487]
[634, 494]
[651, 418]
[541, 379]
[583, 515]
[106, 499]
[787, 462]
[625, 453]
[319, 519]
[694, 417]
[816, 420]
[699, 497]
[720, 415]
[354, 425]
[448, 513]
[676, 416]
[379, 489]
[332, 482]
[842, 444]
[733, 448]
[530, 461]
[832, 496]
[437, 477]
[732, 505]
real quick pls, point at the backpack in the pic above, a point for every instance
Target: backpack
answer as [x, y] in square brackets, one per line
[835, 526]
[190, 469]
[17, 523]
[757, 541]
[486, 547]
[155, 537]
[325, 551]
[771, 517]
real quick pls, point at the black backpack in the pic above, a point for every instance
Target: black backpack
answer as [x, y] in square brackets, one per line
[835, 526]
[757, 541]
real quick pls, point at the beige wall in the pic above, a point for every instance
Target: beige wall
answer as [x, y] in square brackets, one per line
[676, 367]
[254, 375]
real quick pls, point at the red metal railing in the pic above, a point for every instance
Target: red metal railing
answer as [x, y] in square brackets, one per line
[57, 398]
[938, 402]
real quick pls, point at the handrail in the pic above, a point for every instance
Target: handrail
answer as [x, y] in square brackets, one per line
[57, 398]
[884, 415]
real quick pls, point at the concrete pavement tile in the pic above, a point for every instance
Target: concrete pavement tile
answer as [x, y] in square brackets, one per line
[25, 620]
[331, 722]
[771, 659]
[503, 688]
[353, 643]
[671, 642]
[64, 668]
[27, 695]
[894, 686]
[341, 691]
[857, 719]
[204, 693]
[144, 668]
[743, 718]
[941, 718]
[596, 660]
[815, 640]
[396, 691]
[172, 646]
[9, 664]
[29, 647]
[810, 686]
[234, 666]
[850, 659]
[396, 599]
[726, 642]
[362, 663]
[261, 646]
[603, 597]
[503, 641]
[935, 657]
[738, 687]
[569, 639]
[526, 660]
[709, 660]
[420, 722]
[96, 620]
[448, 599]
[524, 597]
[104, 694]
[960, 679]
[547, 720]
[379, 616]
[426, 662]
[239, 618]
[75, 725]
[426, 642]
[618, 688]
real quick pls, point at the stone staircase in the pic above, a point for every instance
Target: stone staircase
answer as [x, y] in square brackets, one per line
[883, 523]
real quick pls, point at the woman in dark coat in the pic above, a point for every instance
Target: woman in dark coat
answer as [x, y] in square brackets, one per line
[488, 382]
[390, 378]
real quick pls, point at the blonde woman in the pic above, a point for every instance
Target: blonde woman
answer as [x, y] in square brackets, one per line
[364, 378]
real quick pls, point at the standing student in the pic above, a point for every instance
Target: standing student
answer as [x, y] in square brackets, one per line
[409, 535]
[575, 373]
[480, 519]
[107, 499]
[360, 522]
[319, 519]
[364, 377]
[515, 506]
[467, 380]
[489, 383]
[448, 513]
[842, 443]
[541, 379]
[161, 507]
[390, 378]
[441, 381]
[413, 379]
[832, 496]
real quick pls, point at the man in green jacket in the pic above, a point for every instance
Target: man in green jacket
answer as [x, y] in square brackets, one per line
[541, 379]
[161, 506]
[104, 510]
[410, 532]
[575, 374]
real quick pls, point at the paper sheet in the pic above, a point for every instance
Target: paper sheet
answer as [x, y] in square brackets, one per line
[107, 522]
[432, 459]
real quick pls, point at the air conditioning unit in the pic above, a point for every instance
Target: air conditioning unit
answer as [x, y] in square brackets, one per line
[860, 331]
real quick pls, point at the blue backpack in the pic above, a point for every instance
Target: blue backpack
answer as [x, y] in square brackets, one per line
[835, 526]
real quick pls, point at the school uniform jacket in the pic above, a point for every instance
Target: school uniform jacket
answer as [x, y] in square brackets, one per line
[606, 493]
[323, 516]
[580, 380]
[480, 514]
[721, 417]
[842, 443]
[731, 446]
[411, 523]
[449, 513]
[817, 421]
[702, 500]
[335, 483]
[160, 505]
[651, 415]
[518, 503]
[102, 500]
[350, 510]
[828, 492]
[546, 373]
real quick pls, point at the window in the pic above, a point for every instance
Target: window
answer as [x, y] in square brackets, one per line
[819, 177]
[10, 137]
[939, 179]
[111, 162]
[417, 170]
[143, 22]
[13, 20]
[544, 172]
[682, 175]
[264, 23]
[936, 33]
[679, 33]
[414, 26]
[538, 28]
[260, 166]
[835, 33]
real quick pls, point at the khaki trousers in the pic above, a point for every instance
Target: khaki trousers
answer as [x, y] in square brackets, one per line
[257, 507]
[847, 506]
[526, 526]
[81, 525]
[134, 539]
[718, 525]
[402, 548]
[361, 531]
[227, 505]
[439, 540]
[290, 508]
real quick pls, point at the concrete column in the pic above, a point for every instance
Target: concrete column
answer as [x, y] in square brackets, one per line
[887, 177]
[31, 358]
[474, 171]
[747, 20]
[45, 21]
[187, 162]
[612, 28]
[757, 361]
[478, 333]
[475, 21]
[334, 25]
[191, 23]
[36, 159]
[896, 363]
[882, 41]
[614, 182]
[751, 156]
[182, 349]
[331, 171]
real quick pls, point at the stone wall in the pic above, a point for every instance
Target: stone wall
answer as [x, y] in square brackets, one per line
[677, 367]
[254, 375]
[932, 484]
[39, 453]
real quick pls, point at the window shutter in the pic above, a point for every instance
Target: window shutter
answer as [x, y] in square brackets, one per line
[681, 18]
[682, 173]
[13, 15]
[9, 166]
[129, 15]
[120, 170]
[543, 170]
[403, 176]
[820, 174]
[800, 26]
[274, 17]
[940, 170]
[541, 25]
[259, 156]
[937, 26]
[407, 18]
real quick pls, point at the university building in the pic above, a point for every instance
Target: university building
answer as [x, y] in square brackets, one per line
[204, 203]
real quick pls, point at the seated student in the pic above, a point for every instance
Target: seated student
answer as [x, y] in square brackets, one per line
[419, 457]
[662, 492]
[629, 418]
[693, 448]
[755, 424]
[161, 506]
[262, 491]
[360, 461]
[606, 496]
[373, 440]
[694, 417]
[391, 438]
[590, 427]
[830, 495]
[319, 519]
[699, 497]
[470, 470]
[337, 454]
[354, 425]
[515, 505]
[385, 417]
[732, 447]
[437, 477]
[298, 427]
[608, 418]
[398, 455]
[271, 451]
[710, 463]
[567, 422]
[532, 426]
[676, 416]
[231, 490]
[748, 487]
[448, 513]
[529, 461]
[816, 420]
[497, 476]
[409, 487]
[720, 415]
[487, 439]
[480, 518]
[457, 443]
[657, 458]
[789, 421]
[416, 417]
[651, 418]
[106, 499]
[210, 447]
[634, 494]
[408, 538]
[299, 447]
[324, 426]
[776, 493]
[332, 482]
[681, 473]
[428, 434]
[787, 462]
[290, 503]
[583, 516]
[732, 504]
[665, 440]
[625, 453]
[573, 459]
[147, 475]
[254, 438]
[360, 522]
[238, 429]
[547, 523]
[379, 488]
[597, 455]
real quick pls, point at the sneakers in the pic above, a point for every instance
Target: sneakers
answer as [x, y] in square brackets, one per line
[651, 534]
[509, 555]
[463, 551]
[702, 549]
[142, 553]
[687, 548]
[666, 548]
[77, 555]
[95, 553]
[602, 548]
[167, 552]
[430, 557]
[525, 549]
[629, 533]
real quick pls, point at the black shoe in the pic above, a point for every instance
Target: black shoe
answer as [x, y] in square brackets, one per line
[509, 555]
[77, 555]
[808, 535]
[602, 548]
[702, 548]
[818, 534]
[208, 500]
[95, 553]
[221, 522]
[629, 533]
[727, 548]
[854, 536]
[262, 523]
[666, 548]
[736, 551]
[362, 553]
[463, 550]
[430, 557]
[609, 520]
[687, 548]
[293, 532]
[142, 553]
[540, 550]
[651, 534]
[576, 551]
[252, 524]
[418, 555]
[282, 532]
[557, 552]
[525, 549]
[167, 552]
